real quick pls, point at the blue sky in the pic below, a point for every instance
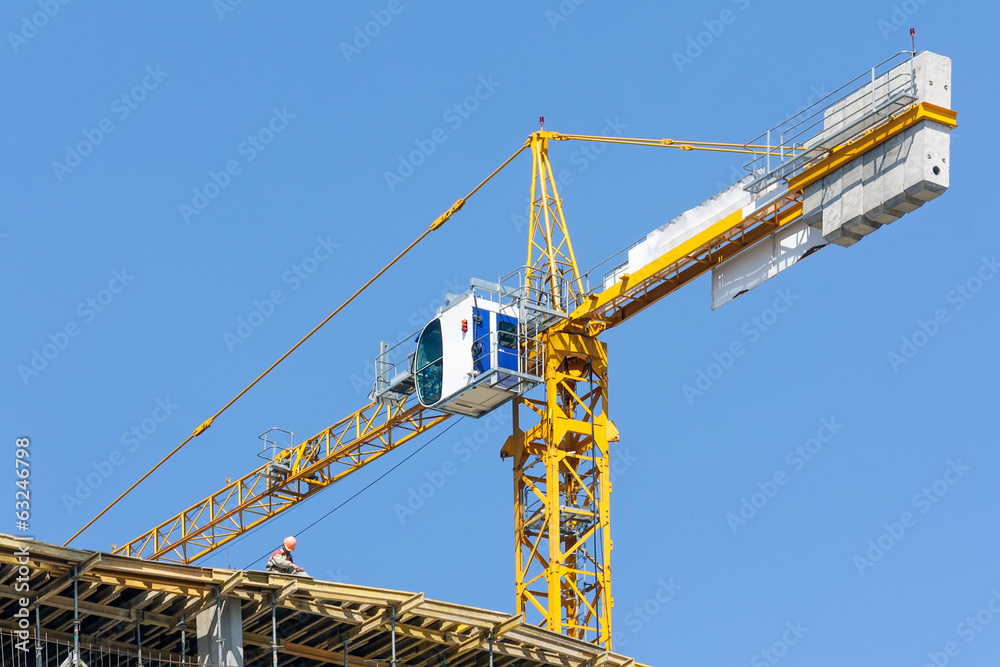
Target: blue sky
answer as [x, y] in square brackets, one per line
[107, 245]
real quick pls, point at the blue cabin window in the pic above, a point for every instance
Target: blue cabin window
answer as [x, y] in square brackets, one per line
[507, 343]
[507, 334]
[429, 364]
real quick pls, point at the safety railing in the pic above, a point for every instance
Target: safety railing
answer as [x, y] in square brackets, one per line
[394, 372]
[543, 298]
[55, 651]
[493, 357]
[276, 441]
[864, 102]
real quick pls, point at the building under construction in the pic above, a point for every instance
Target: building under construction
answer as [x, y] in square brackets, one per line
[118, 611]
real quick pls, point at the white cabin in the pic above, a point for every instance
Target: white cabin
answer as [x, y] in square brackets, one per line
[467, 359]
[475, 355]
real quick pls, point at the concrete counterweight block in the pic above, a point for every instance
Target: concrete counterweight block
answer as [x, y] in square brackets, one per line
[833, 211]
[926, 172]
[895, 177]
[842, 237]
[852, 200]
[872, 184]
[894, 172]
[933, 75]
[832, 185]
[812, 205]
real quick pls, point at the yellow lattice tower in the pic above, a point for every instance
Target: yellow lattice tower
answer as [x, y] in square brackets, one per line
[561, 482]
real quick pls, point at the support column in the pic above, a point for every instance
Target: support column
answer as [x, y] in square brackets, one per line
[274, 630]
[183, 626]
[393, 636]
[76, 617]
[220, 630]
[38, 638]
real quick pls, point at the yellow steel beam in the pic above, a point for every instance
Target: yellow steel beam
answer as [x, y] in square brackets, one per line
[841, 155]
[312, 465]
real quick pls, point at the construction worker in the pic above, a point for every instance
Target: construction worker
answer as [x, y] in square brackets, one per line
[281, 560]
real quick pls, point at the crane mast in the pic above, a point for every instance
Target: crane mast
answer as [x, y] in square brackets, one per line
[561, 463]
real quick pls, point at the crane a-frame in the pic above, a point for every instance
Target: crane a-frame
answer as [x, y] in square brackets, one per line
[831, 174]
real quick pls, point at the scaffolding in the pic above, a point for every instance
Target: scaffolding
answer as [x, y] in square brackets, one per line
[53, 651]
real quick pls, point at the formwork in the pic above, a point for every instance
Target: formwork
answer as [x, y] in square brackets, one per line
[130, 612]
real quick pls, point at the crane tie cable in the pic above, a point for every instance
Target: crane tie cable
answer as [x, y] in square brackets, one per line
[441, 220]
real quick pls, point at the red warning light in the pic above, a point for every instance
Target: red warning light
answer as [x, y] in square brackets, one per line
[465, 326]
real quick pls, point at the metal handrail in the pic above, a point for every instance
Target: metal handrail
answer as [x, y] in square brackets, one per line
[386, 369]
[804, 138]
[272, 450]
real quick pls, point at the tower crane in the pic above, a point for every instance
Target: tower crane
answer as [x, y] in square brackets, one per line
[861, 157]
